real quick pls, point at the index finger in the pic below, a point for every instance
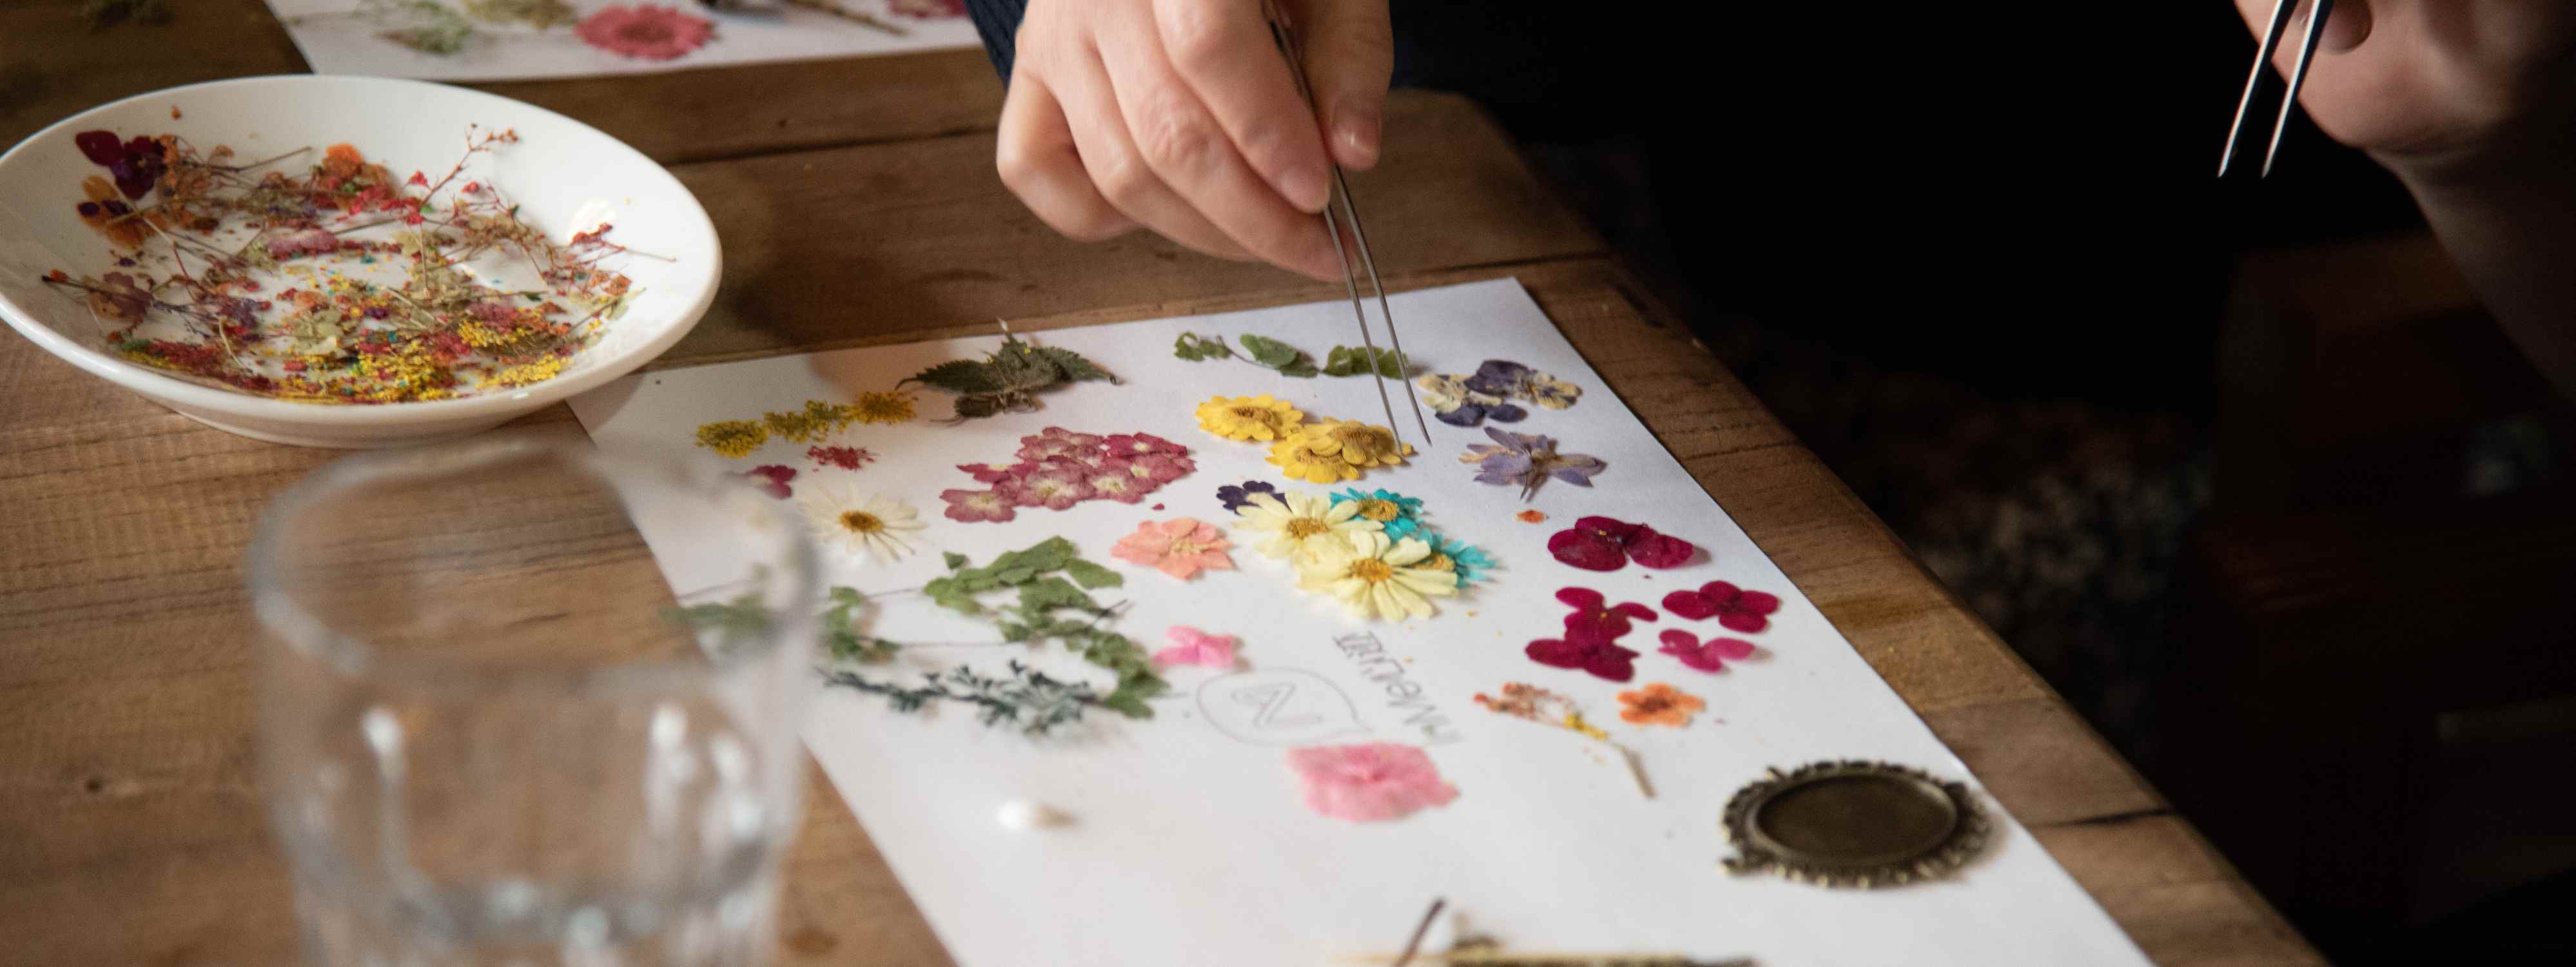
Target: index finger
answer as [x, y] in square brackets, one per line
[1223, 50]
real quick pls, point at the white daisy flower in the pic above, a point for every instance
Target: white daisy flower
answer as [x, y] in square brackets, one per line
[870, 528]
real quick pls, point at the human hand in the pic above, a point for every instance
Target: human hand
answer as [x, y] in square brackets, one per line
[2437, 88]
[1181, 116]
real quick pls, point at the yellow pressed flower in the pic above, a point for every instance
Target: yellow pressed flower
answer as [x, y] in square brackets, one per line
[1360, 444]
[883, 407]
[1296, 523]
[1249, 417]
[798, 426]
[1375, 577]
[1312, 457]
[733, 438]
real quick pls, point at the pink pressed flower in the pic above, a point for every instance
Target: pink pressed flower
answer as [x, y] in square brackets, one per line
[974, 505]
[1191, 646]
[1139, 444]
[1161, 468]
[1052, 489]
[1608, 544]
[1709, 656]
[1659, 551]
[1115, 483]
[1736, 609]
[1596, 620]
[1056, 441]
[772, 479]
[1366, 783]
[990, 473]
[1180, 547]
[645, 31]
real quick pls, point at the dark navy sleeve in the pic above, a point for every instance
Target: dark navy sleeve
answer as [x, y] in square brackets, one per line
[998, 21]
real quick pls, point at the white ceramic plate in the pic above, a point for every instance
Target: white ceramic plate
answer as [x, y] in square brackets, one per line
[566, 175]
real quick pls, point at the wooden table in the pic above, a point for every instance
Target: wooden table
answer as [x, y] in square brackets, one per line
[857, 204]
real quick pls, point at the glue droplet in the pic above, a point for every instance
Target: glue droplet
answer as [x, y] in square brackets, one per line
[1025, 815]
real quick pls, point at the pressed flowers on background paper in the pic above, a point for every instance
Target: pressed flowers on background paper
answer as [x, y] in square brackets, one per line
[1595, 619]
[1659, 704]
[1398, 515]
[645, 31]
[1260, 418]
[1181, 547]
[870, 528]
[772, 479]
[1296, 524]
[1371, 782]
[1374, 577]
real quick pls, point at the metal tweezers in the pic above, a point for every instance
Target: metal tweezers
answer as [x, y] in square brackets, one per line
[2281, 10]
[1349, 214]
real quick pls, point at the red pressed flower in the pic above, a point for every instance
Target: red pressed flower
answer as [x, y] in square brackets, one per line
[1708, 656]
[846, 458]
[1595, 620]
[418, 179]
[1608, 544]
[1600, 658]
[1735, 608]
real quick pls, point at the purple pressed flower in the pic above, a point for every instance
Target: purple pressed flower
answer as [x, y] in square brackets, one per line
[1499, 377]
[1237, 498]
[1528, 460]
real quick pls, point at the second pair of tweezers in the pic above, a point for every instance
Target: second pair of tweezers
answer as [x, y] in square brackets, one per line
[2272, 31]
[1349, 214]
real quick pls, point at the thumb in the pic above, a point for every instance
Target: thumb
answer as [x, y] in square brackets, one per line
[1350, 55]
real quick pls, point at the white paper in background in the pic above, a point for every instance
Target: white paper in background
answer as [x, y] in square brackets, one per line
[335, 44]
[1191, 846]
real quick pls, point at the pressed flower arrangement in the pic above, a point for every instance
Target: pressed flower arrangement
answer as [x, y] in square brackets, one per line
[1370, 552]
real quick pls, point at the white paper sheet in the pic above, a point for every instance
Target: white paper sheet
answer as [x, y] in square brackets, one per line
[1190, 846]
[337, 44]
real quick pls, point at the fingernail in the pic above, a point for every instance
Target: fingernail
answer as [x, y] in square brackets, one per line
[1306, 188]
[1355, 129]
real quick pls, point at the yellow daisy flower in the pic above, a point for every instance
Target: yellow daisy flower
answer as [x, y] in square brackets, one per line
[1360, 444]
[1250, 417]
[1375, 577]
[1297, 523]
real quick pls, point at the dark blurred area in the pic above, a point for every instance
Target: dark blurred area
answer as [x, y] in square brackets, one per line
[2238, 466]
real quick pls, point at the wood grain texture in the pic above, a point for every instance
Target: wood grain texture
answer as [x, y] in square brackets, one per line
[131, 829]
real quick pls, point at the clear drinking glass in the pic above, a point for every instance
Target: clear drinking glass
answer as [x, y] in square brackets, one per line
[486, 738]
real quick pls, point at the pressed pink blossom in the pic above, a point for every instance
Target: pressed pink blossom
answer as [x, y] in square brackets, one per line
[1052, 489]
[1370, 782]
[1180, 547]
[1139, 444]
[1736, 609]
[979, 505]
[1191, 646]
[1608, 544]
[1161, 468]
[846, 458]
[988, 473]
[1708, 656]
[645, 31]
[1115, 483]
[1601, 658]
[1595, 619]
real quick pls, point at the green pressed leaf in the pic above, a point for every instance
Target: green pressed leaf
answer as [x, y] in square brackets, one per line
[1054, 592]
[1194, 347]
[1091, 575]
[965, 376]
[1270, 352]
[1303, 368]
[1127, 704]
[1047, 555]
[1017, 575]
[1073, 366]
[954, 559]
[980, 405]
[1362, 360]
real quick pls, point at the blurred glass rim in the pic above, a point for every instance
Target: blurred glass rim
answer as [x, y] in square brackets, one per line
[274, 606]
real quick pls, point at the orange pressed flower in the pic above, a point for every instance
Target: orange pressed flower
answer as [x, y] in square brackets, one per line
[1659, 704]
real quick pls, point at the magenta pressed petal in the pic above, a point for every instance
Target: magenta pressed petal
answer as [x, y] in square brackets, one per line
[1560, 654]
[1634, 610]
[1743, 621]
[1757, 602]
[1579, 597]
[1720, 591]
[100, 147]
[1660, 551]
[1732, 648]
[1690, 604]
[1587, 550]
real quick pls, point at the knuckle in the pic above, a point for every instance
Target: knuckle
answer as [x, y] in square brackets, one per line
[1124, 178]
[1176, 139]
[1194, 38]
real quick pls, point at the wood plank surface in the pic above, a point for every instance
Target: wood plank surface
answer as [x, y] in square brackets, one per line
[857, 204]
